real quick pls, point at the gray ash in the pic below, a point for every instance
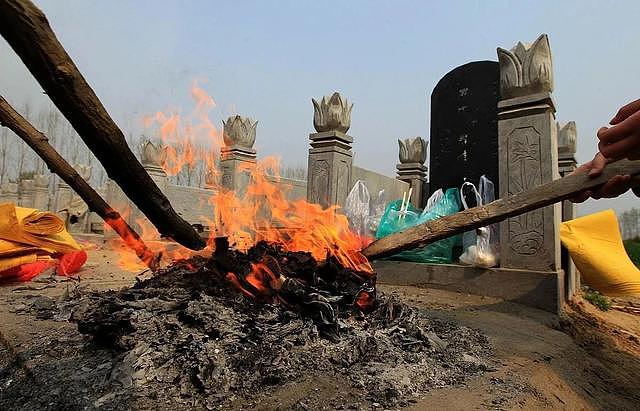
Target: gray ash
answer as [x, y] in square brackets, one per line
[188, 336]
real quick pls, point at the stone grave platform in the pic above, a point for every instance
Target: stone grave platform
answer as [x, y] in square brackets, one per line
[539, 289]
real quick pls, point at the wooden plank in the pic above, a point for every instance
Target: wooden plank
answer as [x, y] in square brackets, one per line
[499, 210]
[27, 31]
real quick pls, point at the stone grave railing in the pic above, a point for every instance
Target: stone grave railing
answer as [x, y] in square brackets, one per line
[494, 118]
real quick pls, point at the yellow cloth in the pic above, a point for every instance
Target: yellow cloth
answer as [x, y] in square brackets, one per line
[30, 227]
[10, 262]
[596, 248]
[28, 235]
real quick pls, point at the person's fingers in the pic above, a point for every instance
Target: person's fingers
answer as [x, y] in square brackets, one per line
[597, 165]
[621, 130]
[583, 169]
[622, 148]
[582, 197]
[625, 112]
[613, 188]
[634, 181]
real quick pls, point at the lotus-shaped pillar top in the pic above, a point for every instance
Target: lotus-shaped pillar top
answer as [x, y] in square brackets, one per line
[26, 184]
[9, 188]
[84, 171]
[413, 150]
[332, 113]
[526, 68]
[567, 138]
[151, 153]
[239, 132]
[41, 180]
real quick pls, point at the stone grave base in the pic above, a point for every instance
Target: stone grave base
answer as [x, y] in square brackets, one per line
[539, 289]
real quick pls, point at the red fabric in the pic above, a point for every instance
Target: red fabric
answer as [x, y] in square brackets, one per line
[25, 272]
[71, 263]
[67, 264]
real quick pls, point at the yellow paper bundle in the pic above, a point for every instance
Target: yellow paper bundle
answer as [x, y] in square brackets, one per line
[28, 235]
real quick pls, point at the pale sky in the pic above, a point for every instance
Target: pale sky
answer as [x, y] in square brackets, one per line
[266, 59]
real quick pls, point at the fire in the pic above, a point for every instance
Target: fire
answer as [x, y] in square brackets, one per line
[261, 212]
[156, 249]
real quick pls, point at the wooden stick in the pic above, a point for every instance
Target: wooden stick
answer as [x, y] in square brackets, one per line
[27, 31]
[499, 210]
[40, 144]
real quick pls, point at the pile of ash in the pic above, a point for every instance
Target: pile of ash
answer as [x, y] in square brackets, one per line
[191, 336]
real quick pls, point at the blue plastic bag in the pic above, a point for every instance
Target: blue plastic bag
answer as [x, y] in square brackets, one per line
[439, 252]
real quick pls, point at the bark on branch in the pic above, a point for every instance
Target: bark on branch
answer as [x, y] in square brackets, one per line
[27, 31]
[40, 144]
[499, 210]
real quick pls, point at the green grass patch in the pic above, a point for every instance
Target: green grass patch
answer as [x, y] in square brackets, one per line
[633, 249]
[602, 302]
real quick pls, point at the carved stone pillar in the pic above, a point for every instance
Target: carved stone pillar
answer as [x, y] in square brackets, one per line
[528, 145]
[62, 198]
[411, 169]
[77, 210]
[238, 157]
[567, 145]
[211, 181]
[9, 193]
[27, 192]
[41, 196]
[330, 156]
[152, 155]
[115, 197]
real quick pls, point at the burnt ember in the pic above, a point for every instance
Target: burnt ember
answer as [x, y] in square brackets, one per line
[228, 330]
[296, 280]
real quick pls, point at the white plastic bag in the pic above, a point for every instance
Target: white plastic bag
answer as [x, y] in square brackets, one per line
[435, 197]
[488, 195]
[477, 244]
[377, 208]
[356, 208]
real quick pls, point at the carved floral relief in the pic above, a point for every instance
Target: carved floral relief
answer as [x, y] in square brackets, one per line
[526, 231]
[320, 183]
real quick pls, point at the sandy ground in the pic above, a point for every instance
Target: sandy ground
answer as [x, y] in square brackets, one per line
[584, 360]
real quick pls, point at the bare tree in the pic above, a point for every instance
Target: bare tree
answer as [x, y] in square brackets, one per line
[630, 224]
[4, 153]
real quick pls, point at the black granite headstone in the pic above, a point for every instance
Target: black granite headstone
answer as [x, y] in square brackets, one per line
[464, 126]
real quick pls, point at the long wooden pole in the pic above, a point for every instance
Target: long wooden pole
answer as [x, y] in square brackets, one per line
[27, 31]
[499, 210]
[11, 119]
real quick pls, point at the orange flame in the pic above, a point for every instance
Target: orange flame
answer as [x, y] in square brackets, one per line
[262, 211]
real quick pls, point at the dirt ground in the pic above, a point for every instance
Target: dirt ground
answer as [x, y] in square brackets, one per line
[585, 359]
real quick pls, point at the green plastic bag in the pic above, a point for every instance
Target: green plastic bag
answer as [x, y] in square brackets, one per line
[439, 252]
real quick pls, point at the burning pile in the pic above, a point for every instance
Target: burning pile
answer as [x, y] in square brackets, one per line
[186, 336]
[283, 297]
[260, 211]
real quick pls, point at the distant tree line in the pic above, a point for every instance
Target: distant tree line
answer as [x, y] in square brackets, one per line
[630, 224]
[18, 161]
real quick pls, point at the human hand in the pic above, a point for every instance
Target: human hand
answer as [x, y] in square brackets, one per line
[613, 188]
[622, 139]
